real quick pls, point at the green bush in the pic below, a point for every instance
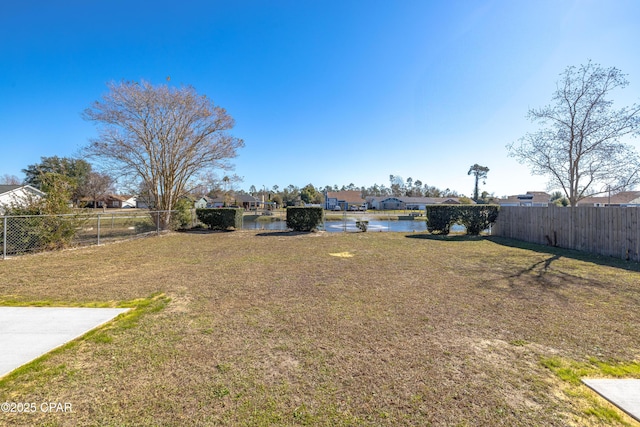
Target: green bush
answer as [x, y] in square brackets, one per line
[478, 218]
[304, 218]
[221, 218]
[43, 223]
[475, 218]
[362, 225]
[29, 231]
[181, 217]
[440, 218]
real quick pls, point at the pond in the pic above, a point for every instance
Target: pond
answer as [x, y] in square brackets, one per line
[375, 225]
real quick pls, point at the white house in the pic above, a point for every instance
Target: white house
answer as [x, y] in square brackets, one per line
[18, 195]
[411, 203]
[622, 199]
[530, 198]
[129, 201]
[203, 202]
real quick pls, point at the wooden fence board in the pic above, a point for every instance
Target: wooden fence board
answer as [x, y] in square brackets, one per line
[611, 231]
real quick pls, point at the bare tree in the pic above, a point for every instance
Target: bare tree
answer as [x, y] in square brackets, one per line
[417, 188]
[163, 136]
[97, 187]
[580, 148]
[7, 179]
[397, 185]
[219, 186]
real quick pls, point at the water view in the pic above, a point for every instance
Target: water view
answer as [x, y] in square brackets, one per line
[375, 225]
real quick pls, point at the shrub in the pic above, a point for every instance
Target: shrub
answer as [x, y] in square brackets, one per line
[362, 225]
[35, 232]
[304, 218]
[43, 223]
[440, 218]
[221, 218]
[181, 217]
[478, 218]
[475, 218]
[27, 230]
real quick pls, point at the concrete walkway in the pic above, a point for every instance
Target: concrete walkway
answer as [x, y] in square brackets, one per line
[27, 333]
[624, 393]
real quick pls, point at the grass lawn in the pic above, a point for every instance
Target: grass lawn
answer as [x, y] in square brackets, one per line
[332, 329]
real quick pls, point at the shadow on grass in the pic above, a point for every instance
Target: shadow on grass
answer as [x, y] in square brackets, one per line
[203, 231]
[556, 253]
[541, 272]
[285, 233]
[446, 238]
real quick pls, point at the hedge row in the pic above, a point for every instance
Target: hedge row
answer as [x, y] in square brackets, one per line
[475, 218]
[221, 218]
[304, 218]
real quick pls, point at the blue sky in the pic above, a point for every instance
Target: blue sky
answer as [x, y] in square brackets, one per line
[323, 92]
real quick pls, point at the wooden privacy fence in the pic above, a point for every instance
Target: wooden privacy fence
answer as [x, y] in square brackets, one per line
[612, 231]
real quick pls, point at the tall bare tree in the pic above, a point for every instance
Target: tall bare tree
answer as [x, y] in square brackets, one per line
[162, 136]
[480, 173]
[580, 147]
[397, 185]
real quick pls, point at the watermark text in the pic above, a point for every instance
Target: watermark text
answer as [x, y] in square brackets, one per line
[33, 407]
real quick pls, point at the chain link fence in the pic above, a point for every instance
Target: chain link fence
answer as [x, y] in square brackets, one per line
[24, 234]
[33, 233]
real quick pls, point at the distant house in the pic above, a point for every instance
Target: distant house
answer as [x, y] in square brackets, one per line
[385, 203]
[18, 195]
[530, 198]
[111, 201]
[114, 201]
[203, 202]
[343, 199]
[409, 203]
[129, 201]
[147, 202]
[245, 201]
[142, 204]
[622, 199]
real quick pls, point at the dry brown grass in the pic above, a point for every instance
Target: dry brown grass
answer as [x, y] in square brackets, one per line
[271, 329]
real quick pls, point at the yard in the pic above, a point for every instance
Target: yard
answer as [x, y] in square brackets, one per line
[249, 328]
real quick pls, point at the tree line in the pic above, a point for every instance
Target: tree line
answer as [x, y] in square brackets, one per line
[167, 142]
[398, 187]
[86, 187]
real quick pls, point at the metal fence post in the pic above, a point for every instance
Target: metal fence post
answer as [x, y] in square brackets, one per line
[344, 219]
[158, 223]
[98, 229]
[4, 238]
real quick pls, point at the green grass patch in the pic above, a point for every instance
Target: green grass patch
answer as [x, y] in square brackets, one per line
[11, 302]
[573, 372]
[39, 370]
[593, 406]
